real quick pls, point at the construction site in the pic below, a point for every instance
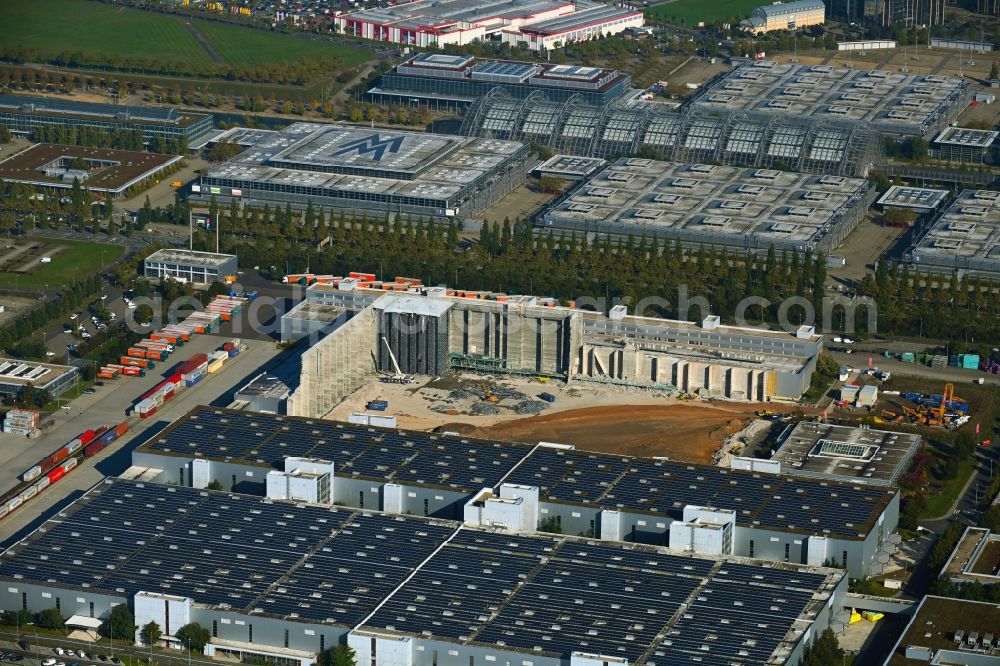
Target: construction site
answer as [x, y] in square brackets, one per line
[402, 329]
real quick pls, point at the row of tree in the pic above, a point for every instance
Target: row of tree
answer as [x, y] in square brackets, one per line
[119, 139]
[67, 300]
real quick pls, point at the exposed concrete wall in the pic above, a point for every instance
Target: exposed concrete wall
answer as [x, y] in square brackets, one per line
[335, 367]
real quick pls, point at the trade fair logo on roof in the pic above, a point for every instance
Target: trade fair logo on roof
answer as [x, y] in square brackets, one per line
[372, 143]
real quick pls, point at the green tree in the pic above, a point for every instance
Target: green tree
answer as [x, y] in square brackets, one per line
[194, 636]
[119, 624]
[340, 655]
[150, 634]
[214, 484]
[551, 524]
[994, 72]
[50, 618]
[965, 445]
[825, 651]
[16, 618]
[6, 137]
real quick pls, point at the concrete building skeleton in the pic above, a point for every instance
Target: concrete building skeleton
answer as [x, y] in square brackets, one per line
[431, 331]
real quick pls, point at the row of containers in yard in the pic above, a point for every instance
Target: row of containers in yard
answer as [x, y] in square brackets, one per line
[59, 463]
[158, 346]
[88, 443]
[187, 374]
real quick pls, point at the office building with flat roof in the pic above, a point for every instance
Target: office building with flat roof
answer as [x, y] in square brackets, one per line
[949, 631]
[860, 455]
[893, 103]
[961, 144]
[388, 171]
[965, 237]
[16, 375]
[189, 266]
[920, 199]
[786, 16]
[23, 113]
[712, 205]
[446, 81]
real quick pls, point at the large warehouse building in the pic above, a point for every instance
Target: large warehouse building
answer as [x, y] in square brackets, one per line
[278, 582]
[964, 238]
[611, 497]
[811, 144]
[388, 171]
[893, 103]
[432, 330]
[542, 24]
[445, 81]
[189, 266]
[786, 16]
[746, 210]
[22, 114]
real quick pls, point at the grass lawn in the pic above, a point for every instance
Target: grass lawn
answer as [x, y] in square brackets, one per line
[54, 26]
[84, 257]
[939, 503]
[240, 46]
[690, 12]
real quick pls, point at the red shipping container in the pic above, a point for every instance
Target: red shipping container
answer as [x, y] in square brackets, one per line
[56, 474]
[122, 428]
[87, 436]
[93, 448]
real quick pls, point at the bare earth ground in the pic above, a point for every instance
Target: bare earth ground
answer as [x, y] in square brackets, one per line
[677, 431]
[14, 307]
[592, 417]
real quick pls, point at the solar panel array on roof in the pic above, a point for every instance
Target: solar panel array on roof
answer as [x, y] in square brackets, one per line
[556, 596]
[406, 456]
[241, 552]
[666, 487]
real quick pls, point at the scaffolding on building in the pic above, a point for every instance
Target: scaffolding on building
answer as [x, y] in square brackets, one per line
[734, 138]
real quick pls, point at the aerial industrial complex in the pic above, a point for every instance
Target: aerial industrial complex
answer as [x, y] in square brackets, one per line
[894, 103]
[541, 24]
[703, 204]
[964, 237]
[283, 581]
[433, 330]
[444, 81]
[388, 171]
[22, 114]
[609, 497]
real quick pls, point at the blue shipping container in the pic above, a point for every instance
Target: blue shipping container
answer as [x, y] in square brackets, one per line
[233, 352]
[192, 381]
[377, 405]
[107, 437]
[547, 397]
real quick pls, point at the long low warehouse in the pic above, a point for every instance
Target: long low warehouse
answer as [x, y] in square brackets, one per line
[741, 209]
[616, 498]
[278, 582]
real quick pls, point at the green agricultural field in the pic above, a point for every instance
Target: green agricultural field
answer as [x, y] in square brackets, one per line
[241, 47]
[70, 259]
[55, 26]
[690, 12]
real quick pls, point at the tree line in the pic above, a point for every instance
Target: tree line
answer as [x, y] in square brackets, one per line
[118, 139]
[66, 301]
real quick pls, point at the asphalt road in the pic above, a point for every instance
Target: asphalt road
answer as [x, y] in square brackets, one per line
[858, 359]
[41, 648]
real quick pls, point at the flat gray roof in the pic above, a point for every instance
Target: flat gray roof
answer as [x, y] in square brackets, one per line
[21, 373]
[964, 136]
[921, 198]
[965, 235]
[637, 196]
[860, 455]
[570, 166]
[193, 257]
[355, 161]
[892, 102]
[264, 385]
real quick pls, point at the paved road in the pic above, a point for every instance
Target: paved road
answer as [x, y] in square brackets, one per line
[859, 360]
[41, 648]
